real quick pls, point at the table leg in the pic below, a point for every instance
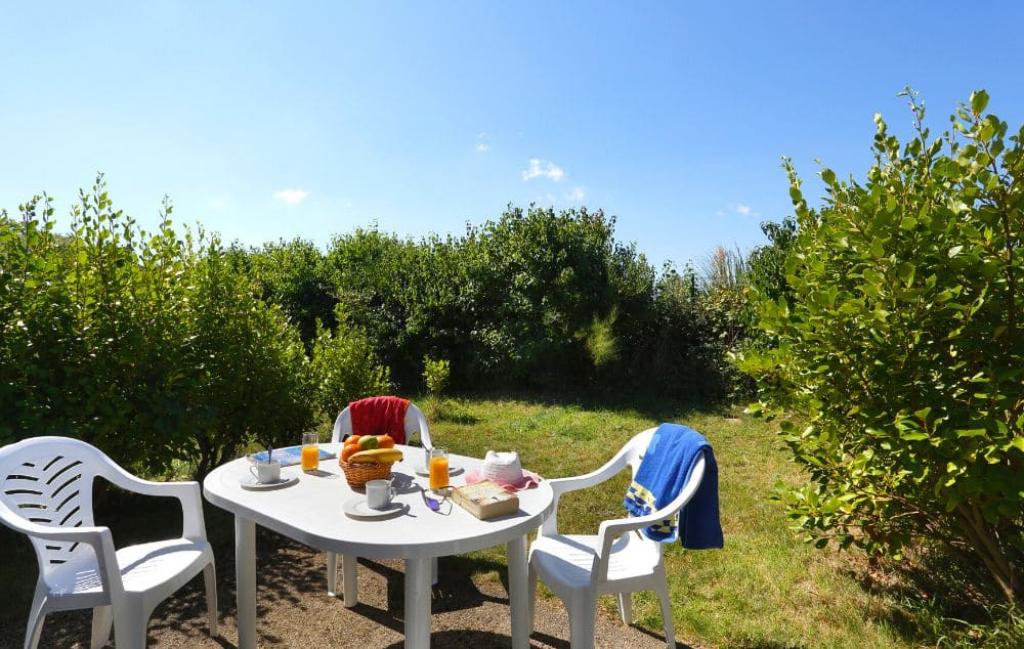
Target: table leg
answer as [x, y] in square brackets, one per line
[245, 581]
[417, 603]
[350, 583]
[518, 592]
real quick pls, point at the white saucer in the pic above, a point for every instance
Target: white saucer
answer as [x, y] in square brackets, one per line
[425, 472]
[357, 508]
[250, 483]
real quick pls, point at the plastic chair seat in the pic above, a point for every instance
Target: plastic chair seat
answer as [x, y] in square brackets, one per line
[565, 563]
[163, 566]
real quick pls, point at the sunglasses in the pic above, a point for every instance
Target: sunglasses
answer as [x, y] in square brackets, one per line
[435, 505]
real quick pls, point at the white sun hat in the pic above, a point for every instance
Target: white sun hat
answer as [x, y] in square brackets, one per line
[503, 468]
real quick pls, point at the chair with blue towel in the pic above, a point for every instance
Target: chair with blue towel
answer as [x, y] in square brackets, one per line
[619, 558]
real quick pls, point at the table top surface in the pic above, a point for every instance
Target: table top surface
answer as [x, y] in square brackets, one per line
[311, 510]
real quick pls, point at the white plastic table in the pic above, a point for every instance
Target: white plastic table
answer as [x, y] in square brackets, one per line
[311, 512]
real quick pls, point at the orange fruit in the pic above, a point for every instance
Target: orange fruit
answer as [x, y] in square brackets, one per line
[349, 451]
[353, 439]
[385, 441]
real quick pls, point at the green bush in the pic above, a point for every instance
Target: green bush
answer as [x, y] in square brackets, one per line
[153, 347]
[92, 334]
[251, 375]
[344, 368]
[767, 264]
[901, 350]
[435, 375]
[514, 301]
[294, 276]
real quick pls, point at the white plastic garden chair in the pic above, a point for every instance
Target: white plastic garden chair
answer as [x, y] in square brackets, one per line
[415, 423]
[619, 559]
[46, 493]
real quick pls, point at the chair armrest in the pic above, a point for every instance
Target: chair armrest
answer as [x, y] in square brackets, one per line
[99, 538]
[611, 530]
[561, 486]
[189, 494]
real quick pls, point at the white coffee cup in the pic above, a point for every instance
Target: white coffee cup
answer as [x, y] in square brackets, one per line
[266, 472]
[379, 494]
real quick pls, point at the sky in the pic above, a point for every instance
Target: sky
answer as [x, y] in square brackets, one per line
[267, 121]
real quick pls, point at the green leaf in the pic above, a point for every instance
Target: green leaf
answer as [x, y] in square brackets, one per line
[954, 251]
[971, 432]
[906, 271]
[979, 101]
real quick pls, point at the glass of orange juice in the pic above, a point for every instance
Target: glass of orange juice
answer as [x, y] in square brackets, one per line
[310, 451]
[438, 469]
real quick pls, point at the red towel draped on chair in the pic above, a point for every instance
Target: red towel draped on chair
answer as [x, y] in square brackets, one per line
[380, 416]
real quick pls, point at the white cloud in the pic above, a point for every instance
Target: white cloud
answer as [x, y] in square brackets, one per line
[543, 168]
[576, 195]
[482, 148]
[741, 209]
[291, 196]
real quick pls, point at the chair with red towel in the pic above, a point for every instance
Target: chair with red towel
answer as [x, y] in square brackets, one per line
[392, 416]
[380, 416]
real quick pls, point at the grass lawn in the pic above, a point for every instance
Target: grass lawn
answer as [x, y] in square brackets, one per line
[765, 589]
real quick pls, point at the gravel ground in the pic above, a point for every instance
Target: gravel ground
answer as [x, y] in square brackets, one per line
[470, 609]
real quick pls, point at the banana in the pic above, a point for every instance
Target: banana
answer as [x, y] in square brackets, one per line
[377, 455]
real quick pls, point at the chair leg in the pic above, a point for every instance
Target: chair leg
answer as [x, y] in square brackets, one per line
[666, 610]
[36, 617]
[210, 580]
[349, 564]
[332, 573]
[626, 608]
[131, 620]
[531, 585]
[102, 620]
[582, 611]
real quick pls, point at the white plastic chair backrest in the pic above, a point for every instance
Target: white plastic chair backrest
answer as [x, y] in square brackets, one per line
[415, 423]
[49, 481]
[631, 454]
[635, 450]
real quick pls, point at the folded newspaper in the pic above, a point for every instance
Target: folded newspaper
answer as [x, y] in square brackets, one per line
[289, 455]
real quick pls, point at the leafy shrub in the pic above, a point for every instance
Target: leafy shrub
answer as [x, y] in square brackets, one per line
[140, 343]
[344, 367]
[92, 336]
[295, 276]
[512, 301]
[435, 375]
[901, 347]
[250, 367]
[767, 264]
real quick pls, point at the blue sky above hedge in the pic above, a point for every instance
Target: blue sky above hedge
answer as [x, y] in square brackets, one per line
[265, 121]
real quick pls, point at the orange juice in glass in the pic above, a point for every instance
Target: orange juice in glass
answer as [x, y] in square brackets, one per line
[310, 451]
[438, 469]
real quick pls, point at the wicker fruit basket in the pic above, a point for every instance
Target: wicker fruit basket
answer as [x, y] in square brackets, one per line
[358, 474]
